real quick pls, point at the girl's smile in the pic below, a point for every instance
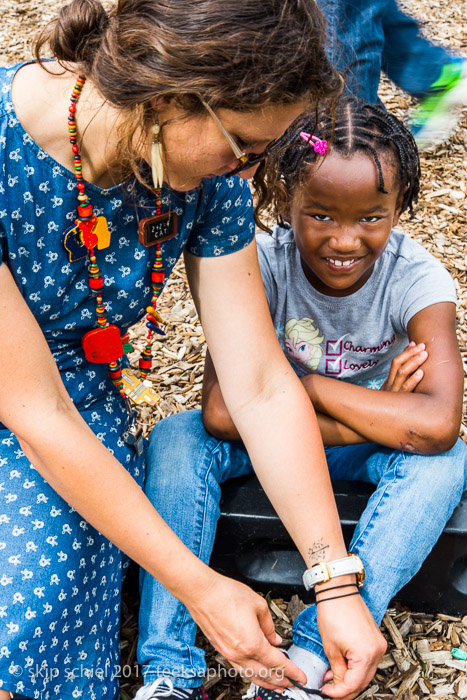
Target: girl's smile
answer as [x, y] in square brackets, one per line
[342, 222]
[345, 264]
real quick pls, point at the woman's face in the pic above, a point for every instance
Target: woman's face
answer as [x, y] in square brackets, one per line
[194, 147]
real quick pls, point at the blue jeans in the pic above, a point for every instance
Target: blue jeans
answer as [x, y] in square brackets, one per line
[367, 36]
[414, 499]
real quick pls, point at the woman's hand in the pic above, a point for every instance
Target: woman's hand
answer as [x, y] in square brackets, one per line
[405, 373]
[238, 623]
[353, 644]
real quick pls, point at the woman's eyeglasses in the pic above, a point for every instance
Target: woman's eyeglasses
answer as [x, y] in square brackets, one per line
[246, 160]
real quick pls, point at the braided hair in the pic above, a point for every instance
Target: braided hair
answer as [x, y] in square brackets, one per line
[349, 126]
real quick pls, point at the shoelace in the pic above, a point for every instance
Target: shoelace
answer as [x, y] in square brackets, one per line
[309, 691]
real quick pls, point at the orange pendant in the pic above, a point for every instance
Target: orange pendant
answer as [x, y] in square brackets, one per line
[137, 391]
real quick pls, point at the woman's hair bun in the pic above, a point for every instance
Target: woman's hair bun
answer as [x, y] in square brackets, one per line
[78, 28]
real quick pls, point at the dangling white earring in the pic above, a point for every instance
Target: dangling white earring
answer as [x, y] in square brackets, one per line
[156, 158]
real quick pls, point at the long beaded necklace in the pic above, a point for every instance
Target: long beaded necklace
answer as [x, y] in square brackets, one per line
[104, 344]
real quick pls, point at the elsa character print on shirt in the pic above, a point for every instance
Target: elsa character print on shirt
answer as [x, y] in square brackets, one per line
[303, 343]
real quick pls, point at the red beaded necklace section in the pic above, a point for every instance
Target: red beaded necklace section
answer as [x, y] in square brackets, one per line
[157, 281]
[87, 222]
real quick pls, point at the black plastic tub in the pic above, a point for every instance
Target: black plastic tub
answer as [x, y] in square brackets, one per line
[253, 546]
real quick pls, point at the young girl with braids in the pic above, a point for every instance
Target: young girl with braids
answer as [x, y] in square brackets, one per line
[189, 91]
[386, 383]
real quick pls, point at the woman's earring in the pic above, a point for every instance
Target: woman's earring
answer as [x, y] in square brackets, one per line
[156, 158]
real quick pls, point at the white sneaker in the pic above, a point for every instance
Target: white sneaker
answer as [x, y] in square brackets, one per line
[298, 692]
[164, 688]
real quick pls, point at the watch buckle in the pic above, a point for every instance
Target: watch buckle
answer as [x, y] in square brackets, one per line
[325, 570]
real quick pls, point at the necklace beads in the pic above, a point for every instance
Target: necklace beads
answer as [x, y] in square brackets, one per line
[115, 374]
[96, 281]
[72, 130]
[86, 222]
[157, 279]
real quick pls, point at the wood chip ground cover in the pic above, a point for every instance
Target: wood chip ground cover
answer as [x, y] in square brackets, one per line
[418, 662]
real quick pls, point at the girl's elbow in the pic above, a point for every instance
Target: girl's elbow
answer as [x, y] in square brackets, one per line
[446, 438]
[432, 439]
[218, 423]
[446, 429]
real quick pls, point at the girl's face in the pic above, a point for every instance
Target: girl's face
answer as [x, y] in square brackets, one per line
[195, 147]
[342, 222]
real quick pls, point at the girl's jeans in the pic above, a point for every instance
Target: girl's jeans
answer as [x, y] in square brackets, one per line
[405, 516]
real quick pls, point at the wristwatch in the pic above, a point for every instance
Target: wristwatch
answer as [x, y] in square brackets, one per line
[323, 571]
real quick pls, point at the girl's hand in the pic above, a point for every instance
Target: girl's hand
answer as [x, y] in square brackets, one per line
[238, 623]
[405, 373]
[352, 643]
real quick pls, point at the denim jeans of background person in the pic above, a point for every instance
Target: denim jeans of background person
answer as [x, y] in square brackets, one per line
[368, 36]
[406, 514]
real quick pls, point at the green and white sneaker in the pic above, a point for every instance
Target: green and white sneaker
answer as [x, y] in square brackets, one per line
[436, 116]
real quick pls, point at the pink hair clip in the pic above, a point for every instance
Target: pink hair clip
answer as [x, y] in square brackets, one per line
[320, 145]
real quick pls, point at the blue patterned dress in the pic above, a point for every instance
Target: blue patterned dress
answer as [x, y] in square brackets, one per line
[59, 578]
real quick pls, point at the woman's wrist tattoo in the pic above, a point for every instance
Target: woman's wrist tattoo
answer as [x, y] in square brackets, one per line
[317, 551]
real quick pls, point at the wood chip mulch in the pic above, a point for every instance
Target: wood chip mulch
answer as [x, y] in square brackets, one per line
[418, 662]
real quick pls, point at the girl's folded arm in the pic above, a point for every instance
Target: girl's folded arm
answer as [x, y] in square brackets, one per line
[216, 418]
[335, 433]
[426, 420]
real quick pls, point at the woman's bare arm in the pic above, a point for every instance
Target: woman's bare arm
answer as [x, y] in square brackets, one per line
[267, 403]
[36, 407]
[218, 422]
[276, 421]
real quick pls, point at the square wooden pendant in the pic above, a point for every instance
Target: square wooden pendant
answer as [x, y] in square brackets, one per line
[157, 229]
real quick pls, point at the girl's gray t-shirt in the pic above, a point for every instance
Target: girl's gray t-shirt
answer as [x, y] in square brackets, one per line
[355, 337]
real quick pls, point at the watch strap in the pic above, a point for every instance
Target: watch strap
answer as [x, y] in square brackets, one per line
[324, 571]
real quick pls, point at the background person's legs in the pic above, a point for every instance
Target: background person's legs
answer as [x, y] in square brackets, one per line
[355, 43]
[409, 59]
[368, 36]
